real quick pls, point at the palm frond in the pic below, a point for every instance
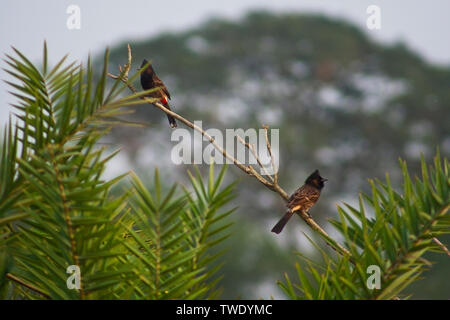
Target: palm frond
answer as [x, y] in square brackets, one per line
[55, 208]
[169, 237]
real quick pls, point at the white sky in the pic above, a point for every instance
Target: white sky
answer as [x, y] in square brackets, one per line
[424, 25]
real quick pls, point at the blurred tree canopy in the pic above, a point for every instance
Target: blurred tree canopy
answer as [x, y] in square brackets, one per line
[344, 104]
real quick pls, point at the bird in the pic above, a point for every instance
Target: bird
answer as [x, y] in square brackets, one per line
[149, 80]
[302, 199]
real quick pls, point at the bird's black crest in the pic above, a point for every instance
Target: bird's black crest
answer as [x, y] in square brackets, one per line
[316, 180]
[149, 65]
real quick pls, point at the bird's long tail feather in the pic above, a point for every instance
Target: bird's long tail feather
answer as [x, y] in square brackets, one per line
[280, 225]
[172, 122]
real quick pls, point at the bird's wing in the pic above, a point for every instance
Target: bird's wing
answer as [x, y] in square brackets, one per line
[304, 198]
[158, 83]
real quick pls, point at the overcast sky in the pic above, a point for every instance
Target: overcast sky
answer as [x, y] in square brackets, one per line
[423, 25]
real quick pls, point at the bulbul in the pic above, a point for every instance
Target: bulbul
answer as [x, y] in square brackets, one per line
[302, 199]
[150, 80]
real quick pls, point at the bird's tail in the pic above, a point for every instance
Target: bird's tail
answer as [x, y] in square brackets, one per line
[280, 225]
[172, 122]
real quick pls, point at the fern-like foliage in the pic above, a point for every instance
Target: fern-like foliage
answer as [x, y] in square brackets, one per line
[54, 187]
[56, 209]
[203, 221]
[170, 236]
[389, 230]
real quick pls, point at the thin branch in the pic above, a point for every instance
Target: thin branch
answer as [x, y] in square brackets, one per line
[248, 169]
[27, 285]
[252, 148]
[269, 148]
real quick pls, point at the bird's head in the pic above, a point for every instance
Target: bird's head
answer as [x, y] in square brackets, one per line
[316, 180]
[149, 68]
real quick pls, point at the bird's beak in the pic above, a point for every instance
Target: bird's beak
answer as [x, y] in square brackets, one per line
[323, 179]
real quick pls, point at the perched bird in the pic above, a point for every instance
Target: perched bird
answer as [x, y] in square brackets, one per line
[150, 80]
[302, 199]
